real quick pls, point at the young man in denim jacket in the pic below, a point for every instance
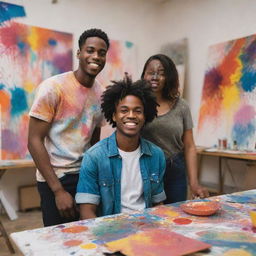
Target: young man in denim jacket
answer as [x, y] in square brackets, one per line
[124, 172]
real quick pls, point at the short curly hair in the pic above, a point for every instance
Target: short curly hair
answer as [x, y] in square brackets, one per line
[171, 87]
[120, 89]
[93, 32]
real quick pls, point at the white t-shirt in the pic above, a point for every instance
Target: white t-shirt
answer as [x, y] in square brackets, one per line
[132, 198]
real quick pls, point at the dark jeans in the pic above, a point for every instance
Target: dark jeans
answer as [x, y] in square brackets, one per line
[175, 179]
[50, 212]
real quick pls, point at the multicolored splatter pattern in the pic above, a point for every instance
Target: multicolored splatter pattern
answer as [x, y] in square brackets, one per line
[229, 232]
[228, 106]
[121, 58]
[28, 55]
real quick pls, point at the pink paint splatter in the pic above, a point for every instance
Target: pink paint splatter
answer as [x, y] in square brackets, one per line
[245, 115]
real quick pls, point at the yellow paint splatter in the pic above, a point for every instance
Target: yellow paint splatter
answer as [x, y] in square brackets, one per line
[28, 86]
[237, 252]
[163, 211]
[230, 98]
[33, 39]
[89, 246]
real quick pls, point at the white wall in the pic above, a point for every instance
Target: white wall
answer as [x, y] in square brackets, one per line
[149, 24]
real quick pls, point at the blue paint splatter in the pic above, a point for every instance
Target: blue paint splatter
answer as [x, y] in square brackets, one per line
[249, 54]
[52, 42]
[2, 86]
[128, 44]
[18, 101]
[240, 199]
[243, 134]
[22, 47]
[248, 80]
[10, 11]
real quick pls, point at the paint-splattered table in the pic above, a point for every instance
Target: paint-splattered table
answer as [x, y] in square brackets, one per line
[229, 231]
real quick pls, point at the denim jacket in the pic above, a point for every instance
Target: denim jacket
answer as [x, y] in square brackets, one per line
[100, 175]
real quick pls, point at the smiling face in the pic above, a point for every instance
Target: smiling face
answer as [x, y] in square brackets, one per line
[154, 73]
[92, 56]
[129, 116]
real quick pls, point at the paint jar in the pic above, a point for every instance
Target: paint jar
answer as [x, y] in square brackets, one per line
[222, 144]
[235, 147]
[253, 217]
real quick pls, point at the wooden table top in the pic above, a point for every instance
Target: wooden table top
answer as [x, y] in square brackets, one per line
[235, 154]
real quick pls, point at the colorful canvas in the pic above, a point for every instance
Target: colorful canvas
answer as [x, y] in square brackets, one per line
[28, 55]
[157, 242]
[228, 108]
[229, 232]
[121, 58]
[177, 51]
[10, 11]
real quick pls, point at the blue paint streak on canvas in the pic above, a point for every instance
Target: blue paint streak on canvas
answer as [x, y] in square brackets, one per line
[242, 133]
[10, 11]
[248, 80]
[52, 42]
[249, 54]
[22, 47]
[2, 86]
[18, 101]
[128, 44]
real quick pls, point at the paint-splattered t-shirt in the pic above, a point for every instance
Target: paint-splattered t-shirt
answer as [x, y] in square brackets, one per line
[73, 111]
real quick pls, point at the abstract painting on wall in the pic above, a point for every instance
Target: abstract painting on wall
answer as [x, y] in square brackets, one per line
[177, 51]
[28, 55]
[228, 103]
[121, 59]
[10, 11]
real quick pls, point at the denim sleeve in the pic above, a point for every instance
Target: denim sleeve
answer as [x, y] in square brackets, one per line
[159, 194]
[88, 186]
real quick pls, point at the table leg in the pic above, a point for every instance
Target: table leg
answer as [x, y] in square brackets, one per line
[7, 240]
[221, 178]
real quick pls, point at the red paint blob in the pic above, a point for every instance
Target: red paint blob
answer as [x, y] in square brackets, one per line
[72, 242]
[74, 229]
[182, 221]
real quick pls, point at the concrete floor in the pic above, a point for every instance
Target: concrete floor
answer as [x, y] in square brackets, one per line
[26, 220]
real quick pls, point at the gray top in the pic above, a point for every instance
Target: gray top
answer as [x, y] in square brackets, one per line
[166, 131]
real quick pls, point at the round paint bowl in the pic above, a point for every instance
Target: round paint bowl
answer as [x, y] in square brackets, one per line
[200, 208]
[253, 217]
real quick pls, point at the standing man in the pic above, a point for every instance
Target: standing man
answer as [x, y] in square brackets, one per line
[124, 172]
[65, 120]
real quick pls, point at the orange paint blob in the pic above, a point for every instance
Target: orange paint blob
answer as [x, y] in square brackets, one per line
[72, 242]
[74, 229]
[182, 221]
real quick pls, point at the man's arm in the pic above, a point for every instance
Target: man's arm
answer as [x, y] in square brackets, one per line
[87, 211]
[38, 130]
[159, 195]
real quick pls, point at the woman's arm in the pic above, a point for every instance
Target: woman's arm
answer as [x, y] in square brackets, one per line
[191, 163]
